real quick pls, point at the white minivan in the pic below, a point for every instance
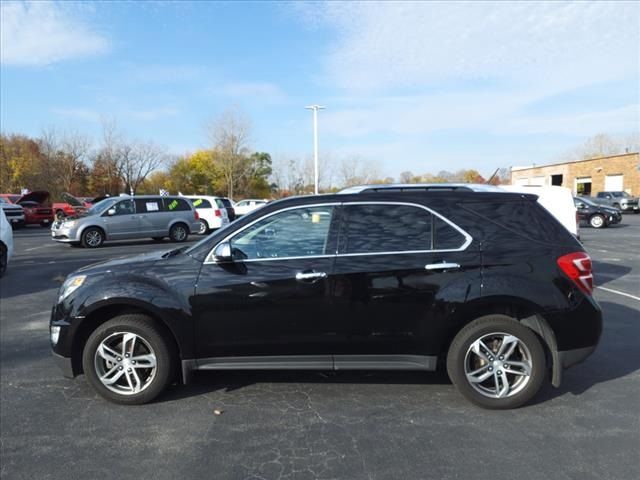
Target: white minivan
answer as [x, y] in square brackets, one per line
[213, 214]
[6, 242]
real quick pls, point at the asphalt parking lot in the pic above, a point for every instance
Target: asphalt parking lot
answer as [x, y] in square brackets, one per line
[346, 425]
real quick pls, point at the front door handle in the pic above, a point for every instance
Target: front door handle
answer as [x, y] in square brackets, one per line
[442, 266]
[310, 276]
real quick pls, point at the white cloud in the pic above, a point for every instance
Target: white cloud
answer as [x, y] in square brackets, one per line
[43, 33]
[384, 45]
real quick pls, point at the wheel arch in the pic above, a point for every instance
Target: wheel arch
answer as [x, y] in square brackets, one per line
[104, 313]
[92, 225]
[524, 311]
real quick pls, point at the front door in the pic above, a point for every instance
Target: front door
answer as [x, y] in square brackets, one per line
[124, 223]
[274, 298]
[400, 273]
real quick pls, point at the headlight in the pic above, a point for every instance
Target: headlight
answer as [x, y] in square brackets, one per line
[70, 285]
[55, 334]
[69, 223]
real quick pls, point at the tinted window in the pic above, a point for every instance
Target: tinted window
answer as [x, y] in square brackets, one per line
[219, 203]
[201, 203]
[386, 228]
[293, 233]
[148, 205]
[175, 204]
[226, 202]
[445, 236]
[125, 207]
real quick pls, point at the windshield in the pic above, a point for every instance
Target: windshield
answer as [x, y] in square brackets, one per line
[620, 194]
[587, 201]
[101, 206]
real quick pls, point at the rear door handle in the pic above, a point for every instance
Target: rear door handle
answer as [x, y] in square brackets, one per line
[442, 266]
[310, 276]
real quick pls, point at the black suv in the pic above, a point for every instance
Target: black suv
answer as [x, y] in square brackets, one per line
[487, 283]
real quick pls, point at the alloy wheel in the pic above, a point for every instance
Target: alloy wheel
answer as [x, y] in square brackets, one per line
[125, 363]
[498, 365]
[179, 233]
[93, 238]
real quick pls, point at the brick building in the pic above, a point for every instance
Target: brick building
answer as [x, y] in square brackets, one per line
[585, 177]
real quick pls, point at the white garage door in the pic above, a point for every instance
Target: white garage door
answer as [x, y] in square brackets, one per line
[613, 183]
[538, 181]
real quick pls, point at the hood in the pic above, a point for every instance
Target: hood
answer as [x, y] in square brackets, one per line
[39, 197]
[10, 206]
[71, 200]
[122, 264]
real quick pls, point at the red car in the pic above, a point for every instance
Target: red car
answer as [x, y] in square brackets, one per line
[70, 207]
[34, 204]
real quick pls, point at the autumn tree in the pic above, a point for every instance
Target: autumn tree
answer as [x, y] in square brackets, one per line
[197, 173]
[136, 160]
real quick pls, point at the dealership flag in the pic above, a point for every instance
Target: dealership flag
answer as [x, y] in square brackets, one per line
[164, 193]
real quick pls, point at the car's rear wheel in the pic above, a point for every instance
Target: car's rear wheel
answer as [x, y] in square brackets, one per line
[92, 237]
[3, 260]
[496, 362]
[597, 221]
[203, 228]
[179, 232]
[128, 360]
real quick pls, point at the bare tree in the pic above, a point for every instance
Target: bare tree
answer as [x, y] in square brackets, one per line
[74, 149]
[230, 134]
[356, 171]
[136, 161]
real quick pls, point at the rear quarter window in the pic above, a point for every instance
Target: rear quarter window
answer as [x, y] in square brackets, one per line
[176, 205]
[201, 203]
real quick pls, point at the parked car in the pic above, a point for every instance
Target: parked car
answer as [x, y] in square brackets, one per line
[211, 210]
[247, 206]
[34, 204]
[621, 200]
[6, 241]
[69, 207]
[13, 213]
[488, 282]
[228, 205]
[596, 215]
[121, 218]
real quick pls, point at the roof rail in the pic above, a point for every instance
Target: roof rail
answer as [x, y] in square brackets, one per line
[426, 187]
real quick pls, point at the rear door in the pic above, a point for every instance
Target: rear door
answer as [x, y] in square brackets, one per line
[401, 270]
[149, 211]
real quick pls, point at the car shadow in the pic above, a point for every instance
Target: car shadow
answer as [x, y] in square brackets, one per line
[604, 272]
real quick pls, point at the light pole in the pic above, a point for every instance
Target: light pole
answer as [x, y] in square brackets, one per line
[315, 109]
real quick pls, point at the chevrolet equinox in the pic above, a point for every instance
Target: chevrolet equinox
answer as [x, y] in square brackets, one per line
[486, 283]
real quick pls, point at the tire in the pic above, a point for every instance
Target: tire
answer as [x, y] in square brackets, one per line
[60, 215]
[492, 330]
[157, 239]
[149, 377]
[597, 221]
[3, 260]
[204, 227]
[92, 237]
[179, 232]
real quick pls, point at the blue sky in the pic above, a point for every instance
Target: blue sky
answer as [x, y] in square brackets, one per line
[421, 86]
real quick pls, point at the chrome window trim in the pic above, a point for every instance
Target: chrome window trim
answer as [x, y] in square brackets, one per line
[468, 238]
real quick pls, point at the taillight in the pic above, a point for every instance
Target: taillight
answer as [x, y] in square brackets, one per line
[195, 215]
[218, 213]
[577, 266]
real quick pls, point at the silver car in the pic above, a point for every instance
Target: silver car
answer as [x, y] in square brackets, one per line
[120, 218]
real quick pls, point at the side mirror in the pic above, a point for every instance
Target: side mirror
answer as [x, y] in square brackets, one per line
[222, 253]
[581, 205]
[111, 212]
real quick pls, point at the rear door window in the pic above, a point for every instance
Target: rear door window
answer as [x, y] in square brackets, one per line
[378, 228]
[148, 205]
[446, 237]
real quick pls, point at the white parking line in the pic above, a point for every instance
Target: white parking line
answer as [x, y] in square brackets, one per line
[610, 290]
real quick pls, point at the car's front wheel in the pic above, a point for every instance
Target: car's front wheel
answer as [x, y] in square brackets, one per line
[92, 237]
[597, 221]
[128, 360]
[178, 232]
[496, 362]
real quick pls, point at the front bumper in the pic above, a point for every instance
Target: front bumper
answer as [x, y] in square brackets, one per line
[60, 233]
[629, 207]
[65, 364]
